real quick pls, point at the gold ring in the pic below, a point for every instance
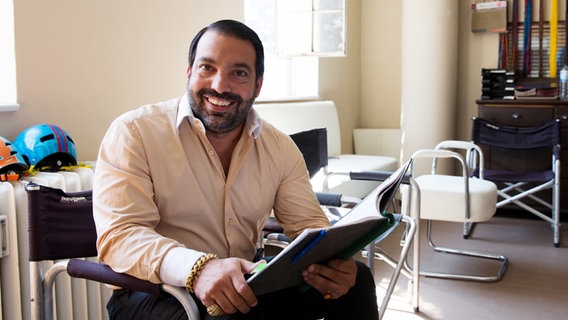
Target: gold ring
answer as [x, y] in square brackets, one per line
[215, 310]
[327, 295]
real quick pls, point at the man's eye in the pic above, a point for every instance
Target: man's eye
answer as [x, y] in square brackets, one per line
[205, 67]
[241, 74]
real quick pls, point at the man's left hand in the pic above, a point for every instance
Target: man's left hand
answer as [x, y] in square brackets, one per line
[333, 279]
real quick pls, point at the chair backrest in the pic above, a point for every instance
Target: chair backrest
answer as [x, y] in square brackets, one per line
[505, 142]
[61, 227]
[60, 224]
[313, 145]
[292, 117]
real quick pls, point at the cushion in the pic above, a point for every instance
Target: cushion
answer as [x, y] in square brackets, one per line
[442, 198]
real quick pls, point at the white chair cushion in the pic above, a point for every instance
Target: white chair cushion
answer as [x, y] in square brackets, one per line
[442, 197]
[359, 162]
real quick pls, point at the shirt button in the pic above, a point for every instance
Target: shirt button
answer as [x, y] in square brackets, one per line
[230, 221]
[211, 152]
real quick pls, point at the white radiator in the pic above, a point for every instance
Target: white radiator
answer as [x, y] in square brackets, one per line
[75, 299]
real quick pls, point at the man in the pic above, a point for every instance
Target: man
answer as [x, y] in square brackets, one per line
[183, 188]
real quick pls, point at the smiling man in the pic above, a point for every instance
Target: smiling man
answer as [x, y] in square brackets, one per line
[183, 188]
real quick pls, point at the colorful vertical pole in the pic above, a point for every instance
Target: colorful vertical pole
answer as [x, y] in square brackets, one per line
[503, 55]
[540, 38]
[527, 38]
[553, 37]
[514, 57]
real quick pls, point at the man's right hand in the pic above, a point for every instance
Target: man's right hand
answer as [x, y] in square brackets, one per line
[222, 282]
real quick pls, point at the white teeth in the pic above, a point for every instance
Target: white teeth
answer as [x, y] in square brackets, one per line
[219, 102]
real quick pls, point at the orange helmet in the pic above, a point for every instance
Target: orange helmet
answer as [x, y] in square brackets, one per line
[10, 158]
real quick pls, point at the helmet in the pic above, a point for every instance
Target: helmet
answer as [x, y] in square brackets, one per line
[46, 145]
[10, 158]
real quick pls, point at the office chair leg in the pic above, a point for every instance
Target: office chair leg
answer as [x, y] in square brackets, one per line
[410, 233]
[467, 229]
[556, 227]
[42, 295]
[503, 266]
[554, 219]
[374, 252]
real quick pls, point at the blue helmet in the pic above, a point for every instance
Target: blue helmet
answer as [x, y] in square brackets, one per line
[46, 145]
[10, 158]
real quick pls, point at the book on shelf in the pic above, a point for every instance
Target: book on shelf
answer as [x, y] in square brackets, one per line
[537, 89]
[368, 221]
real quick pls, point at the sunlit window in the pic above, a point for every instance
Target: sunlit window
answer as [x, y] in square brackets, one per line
[7, 57]
[295, 33]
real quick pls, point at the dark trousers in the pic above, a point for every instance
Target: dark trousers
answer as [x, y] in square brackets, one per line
[292, 303]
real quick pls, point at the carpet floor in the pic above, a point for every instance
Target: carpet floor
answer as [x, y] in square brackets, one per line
[535, 285]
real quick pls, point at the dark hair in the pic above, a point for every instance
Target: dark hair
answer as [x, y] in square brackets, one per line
[234, 29]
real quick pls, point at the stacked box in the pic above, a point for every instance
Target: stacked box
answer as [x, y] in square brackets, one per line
[497, 84]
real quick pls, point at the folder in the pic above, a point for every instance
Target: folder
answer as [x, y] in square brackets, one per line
[368, 221]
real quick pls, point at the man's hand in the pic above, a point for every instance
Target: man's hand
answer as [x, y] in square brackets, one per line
[333, 279]
[222, 282]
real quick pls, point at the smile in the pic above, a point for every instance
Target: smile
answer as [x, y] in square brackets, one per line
[218, 102]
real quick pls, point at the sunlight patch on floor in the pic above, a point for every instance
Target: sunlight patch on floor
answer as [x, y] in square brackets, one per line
[400, 304]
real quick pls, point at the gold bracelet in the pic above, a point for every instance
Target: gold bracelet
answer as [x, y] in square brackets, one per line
[199, 264]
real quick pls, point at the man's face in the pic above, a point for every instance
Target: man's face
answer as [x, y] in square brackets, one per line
[221, 82]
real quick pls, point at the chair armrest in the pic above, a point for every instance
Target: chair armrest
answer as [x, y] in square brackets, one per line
[329, 199]
[376, 176]
[103, 273]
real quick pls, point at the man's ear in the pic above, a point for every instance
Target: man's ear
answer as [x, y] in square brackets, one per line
[188, 72]
[258, 86]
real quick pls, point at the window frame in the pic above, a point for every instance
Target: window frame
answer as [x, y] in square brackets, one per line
[298, 72]
[8, 89]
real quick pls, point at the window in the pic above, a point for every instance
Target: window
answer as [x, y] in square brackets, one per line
[7, 57]
[295, 33]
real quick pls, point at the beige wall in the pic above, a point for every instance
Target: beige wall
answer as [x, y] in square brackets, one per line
[380, 70]
[475, 51]
[380, 63]
[82, 63]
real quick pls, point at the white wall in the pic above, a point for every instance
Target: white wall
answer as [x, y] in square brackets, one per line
[82, 63]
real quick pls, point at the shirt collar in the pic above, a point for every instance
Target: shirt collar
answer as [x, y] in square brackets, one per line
[253, 123]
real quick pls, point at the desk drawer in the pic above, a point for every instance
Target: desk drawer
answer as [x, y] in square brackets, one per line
[517, 116]
[562, 114]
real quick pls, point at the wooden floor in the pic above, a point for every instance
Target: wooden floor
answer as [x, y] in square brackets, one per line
[535, 285]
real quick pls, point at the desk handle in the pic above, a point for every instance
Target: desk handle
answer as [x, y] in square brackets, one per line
[516, 116]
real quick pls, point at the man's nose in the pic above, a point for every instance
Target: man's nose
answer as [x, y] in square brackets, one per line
[221, 83]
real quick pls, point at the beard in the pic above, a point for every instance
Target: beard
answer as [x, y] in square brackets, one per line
[220, 122]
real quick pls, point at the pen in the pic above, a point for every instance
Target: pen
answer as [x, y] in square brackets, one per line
[310, 245]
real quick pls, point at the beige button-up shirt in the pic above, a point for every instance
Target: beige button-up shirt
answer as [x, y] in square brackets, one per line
[162, 199]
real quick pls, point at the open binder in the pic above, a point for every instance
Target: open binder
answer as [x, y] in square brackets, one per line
[368, 221]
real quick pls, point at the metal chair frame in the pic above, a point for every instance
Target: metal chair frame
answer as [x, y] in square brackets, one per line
[442, 151]
[547, 135]
[52, 211]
